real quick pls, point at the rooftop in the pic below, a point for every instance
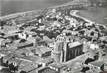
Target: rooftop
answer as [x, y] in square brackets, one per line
[47, 60]
[42, 50]
[57, 65]
[74, 44]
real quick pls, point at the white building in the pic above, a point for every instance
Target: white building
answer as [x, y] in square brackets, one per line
[22, 35]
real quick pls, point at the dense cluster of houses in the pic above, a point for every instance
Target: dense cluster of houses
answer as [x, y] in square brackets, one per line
[50, 41]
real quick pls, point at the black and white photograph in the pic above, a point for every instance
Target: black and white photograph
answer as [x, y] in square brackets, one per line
[53, 36]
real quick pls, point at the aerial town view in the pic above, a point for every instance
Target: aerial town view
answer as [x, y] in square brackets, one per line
[59, 39]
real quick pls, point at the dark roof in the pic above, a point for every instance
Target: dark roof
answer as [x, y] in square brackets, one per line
[48, 70]
[25, 44]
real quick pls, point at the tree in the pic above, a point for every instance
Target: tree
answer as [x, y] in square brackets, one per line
[11, 67]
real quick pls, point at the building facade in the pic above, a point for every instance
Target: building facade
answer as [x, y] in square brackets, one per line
[73, 50]
[64, 50]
